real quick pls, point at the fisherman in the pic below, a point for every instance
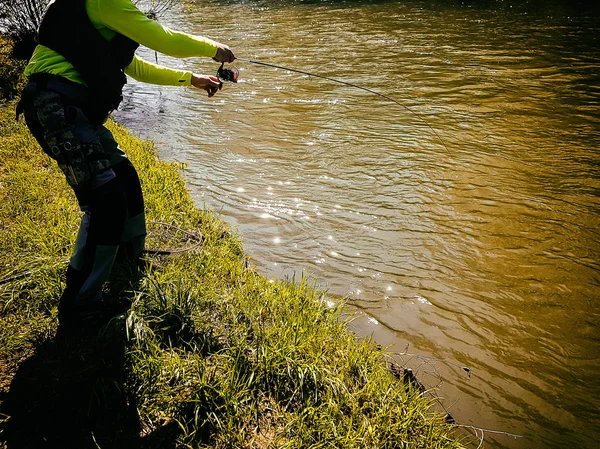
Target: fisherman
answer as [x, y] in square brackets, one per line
[76, 75]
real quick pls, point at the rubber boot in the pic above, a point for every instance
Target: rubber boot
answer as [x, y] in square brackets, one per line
[73, 316]
[66, 305]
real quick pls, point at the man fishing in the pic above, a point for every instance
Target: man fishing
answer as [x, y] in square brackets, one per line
[76, 76]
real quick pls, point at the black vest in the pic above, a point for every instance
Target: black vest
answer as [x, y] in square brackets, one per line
[67, 29]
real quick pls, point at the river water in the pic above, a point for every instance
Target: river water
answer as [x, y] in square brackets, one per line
[478, 249]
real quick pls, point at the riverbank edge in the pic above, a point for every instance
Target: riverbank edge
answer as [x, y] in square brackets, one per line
[208, 352]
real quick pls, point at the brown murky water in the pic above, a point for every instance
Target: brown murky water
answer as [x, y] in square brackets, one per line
[484, 254]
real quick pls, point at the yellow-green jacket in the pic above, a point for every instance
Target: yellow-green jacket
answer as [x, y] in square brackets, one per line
[121, 16]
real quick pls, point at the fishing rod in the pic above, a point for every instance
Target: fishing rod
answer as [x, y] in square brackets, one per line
[232, 75]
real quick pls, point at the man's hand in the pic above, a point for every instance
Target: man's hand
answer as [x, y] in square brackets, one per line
[208, 83]
[224, 54]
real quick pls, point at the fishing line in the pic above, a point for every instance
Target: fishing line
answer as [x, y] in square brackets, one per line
[345, 83]
[148, 251]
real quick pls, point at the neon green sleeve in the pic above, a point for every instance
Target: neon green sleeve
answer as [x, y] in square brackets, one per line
[147, 72]
[124, 18]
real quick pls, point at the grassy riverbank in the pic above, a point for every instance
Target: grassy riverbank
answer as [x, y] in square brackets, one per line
[209, 354]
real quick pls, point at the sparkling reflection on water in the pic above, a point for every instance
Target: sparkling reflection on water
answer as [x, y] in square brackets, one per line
[485, 254]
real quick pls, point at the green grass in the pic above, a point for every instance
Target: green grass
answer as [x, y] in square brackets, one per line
[214, 354]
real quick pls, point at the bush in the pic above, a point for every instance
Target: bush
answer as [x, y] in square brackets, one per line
[11, 71]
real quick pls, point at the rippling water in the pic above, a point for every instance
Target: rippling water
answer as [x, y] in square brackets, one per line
[483, 252]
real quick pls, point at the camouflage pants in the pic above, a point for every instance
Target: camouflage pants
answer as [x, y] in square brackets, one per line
[105, 183]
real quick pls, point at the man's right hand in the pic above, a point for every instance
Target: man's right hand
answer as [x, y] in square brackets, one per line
[210, 84]
[224, 54]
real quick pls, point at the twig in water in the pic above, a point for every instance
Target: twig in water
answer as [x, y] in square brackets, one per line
[466, 369]
[483, 431]
[409, 377]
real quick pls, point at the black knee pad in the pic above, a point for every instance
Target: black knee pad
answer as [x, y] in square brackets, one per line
[127, 176]
[108, 213]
